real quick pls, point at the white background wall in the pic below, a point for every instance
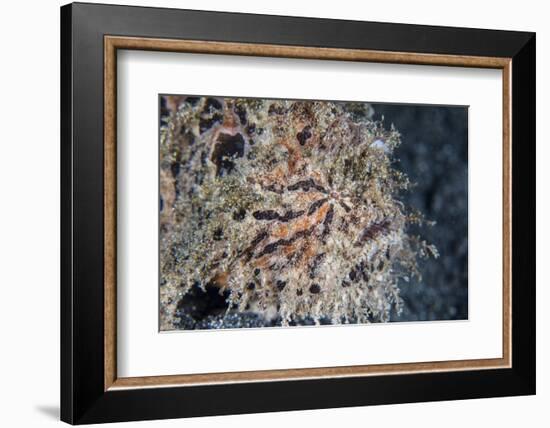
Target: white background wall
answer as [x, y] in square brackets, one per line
[29, 215]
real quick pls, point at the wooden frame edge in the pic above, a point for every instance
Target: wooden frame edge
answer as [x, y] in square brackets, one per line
[112, 43]
[507, 213]
[300, 374]
[110, 187]
[301, 52]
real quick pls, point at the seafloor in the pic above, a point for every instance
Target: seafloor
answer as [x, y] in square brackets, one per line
[437, 161]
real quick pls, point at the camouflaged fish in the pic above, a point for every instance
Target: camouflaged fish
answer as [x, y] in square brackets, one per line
[289, 208]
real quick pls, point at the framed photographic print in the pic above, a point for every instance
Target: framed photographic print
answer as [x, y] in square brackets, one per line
[276, 213]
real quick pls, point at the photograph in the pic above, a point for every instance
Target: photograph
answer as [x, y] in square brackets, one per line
[285, 212]
[280, 214]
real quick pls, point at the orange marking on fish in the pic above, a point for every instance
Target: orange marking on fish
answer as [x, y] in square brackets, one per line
[289, 249]
[220, 279]
[280, 231]
[294, 157]
[263, 261]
